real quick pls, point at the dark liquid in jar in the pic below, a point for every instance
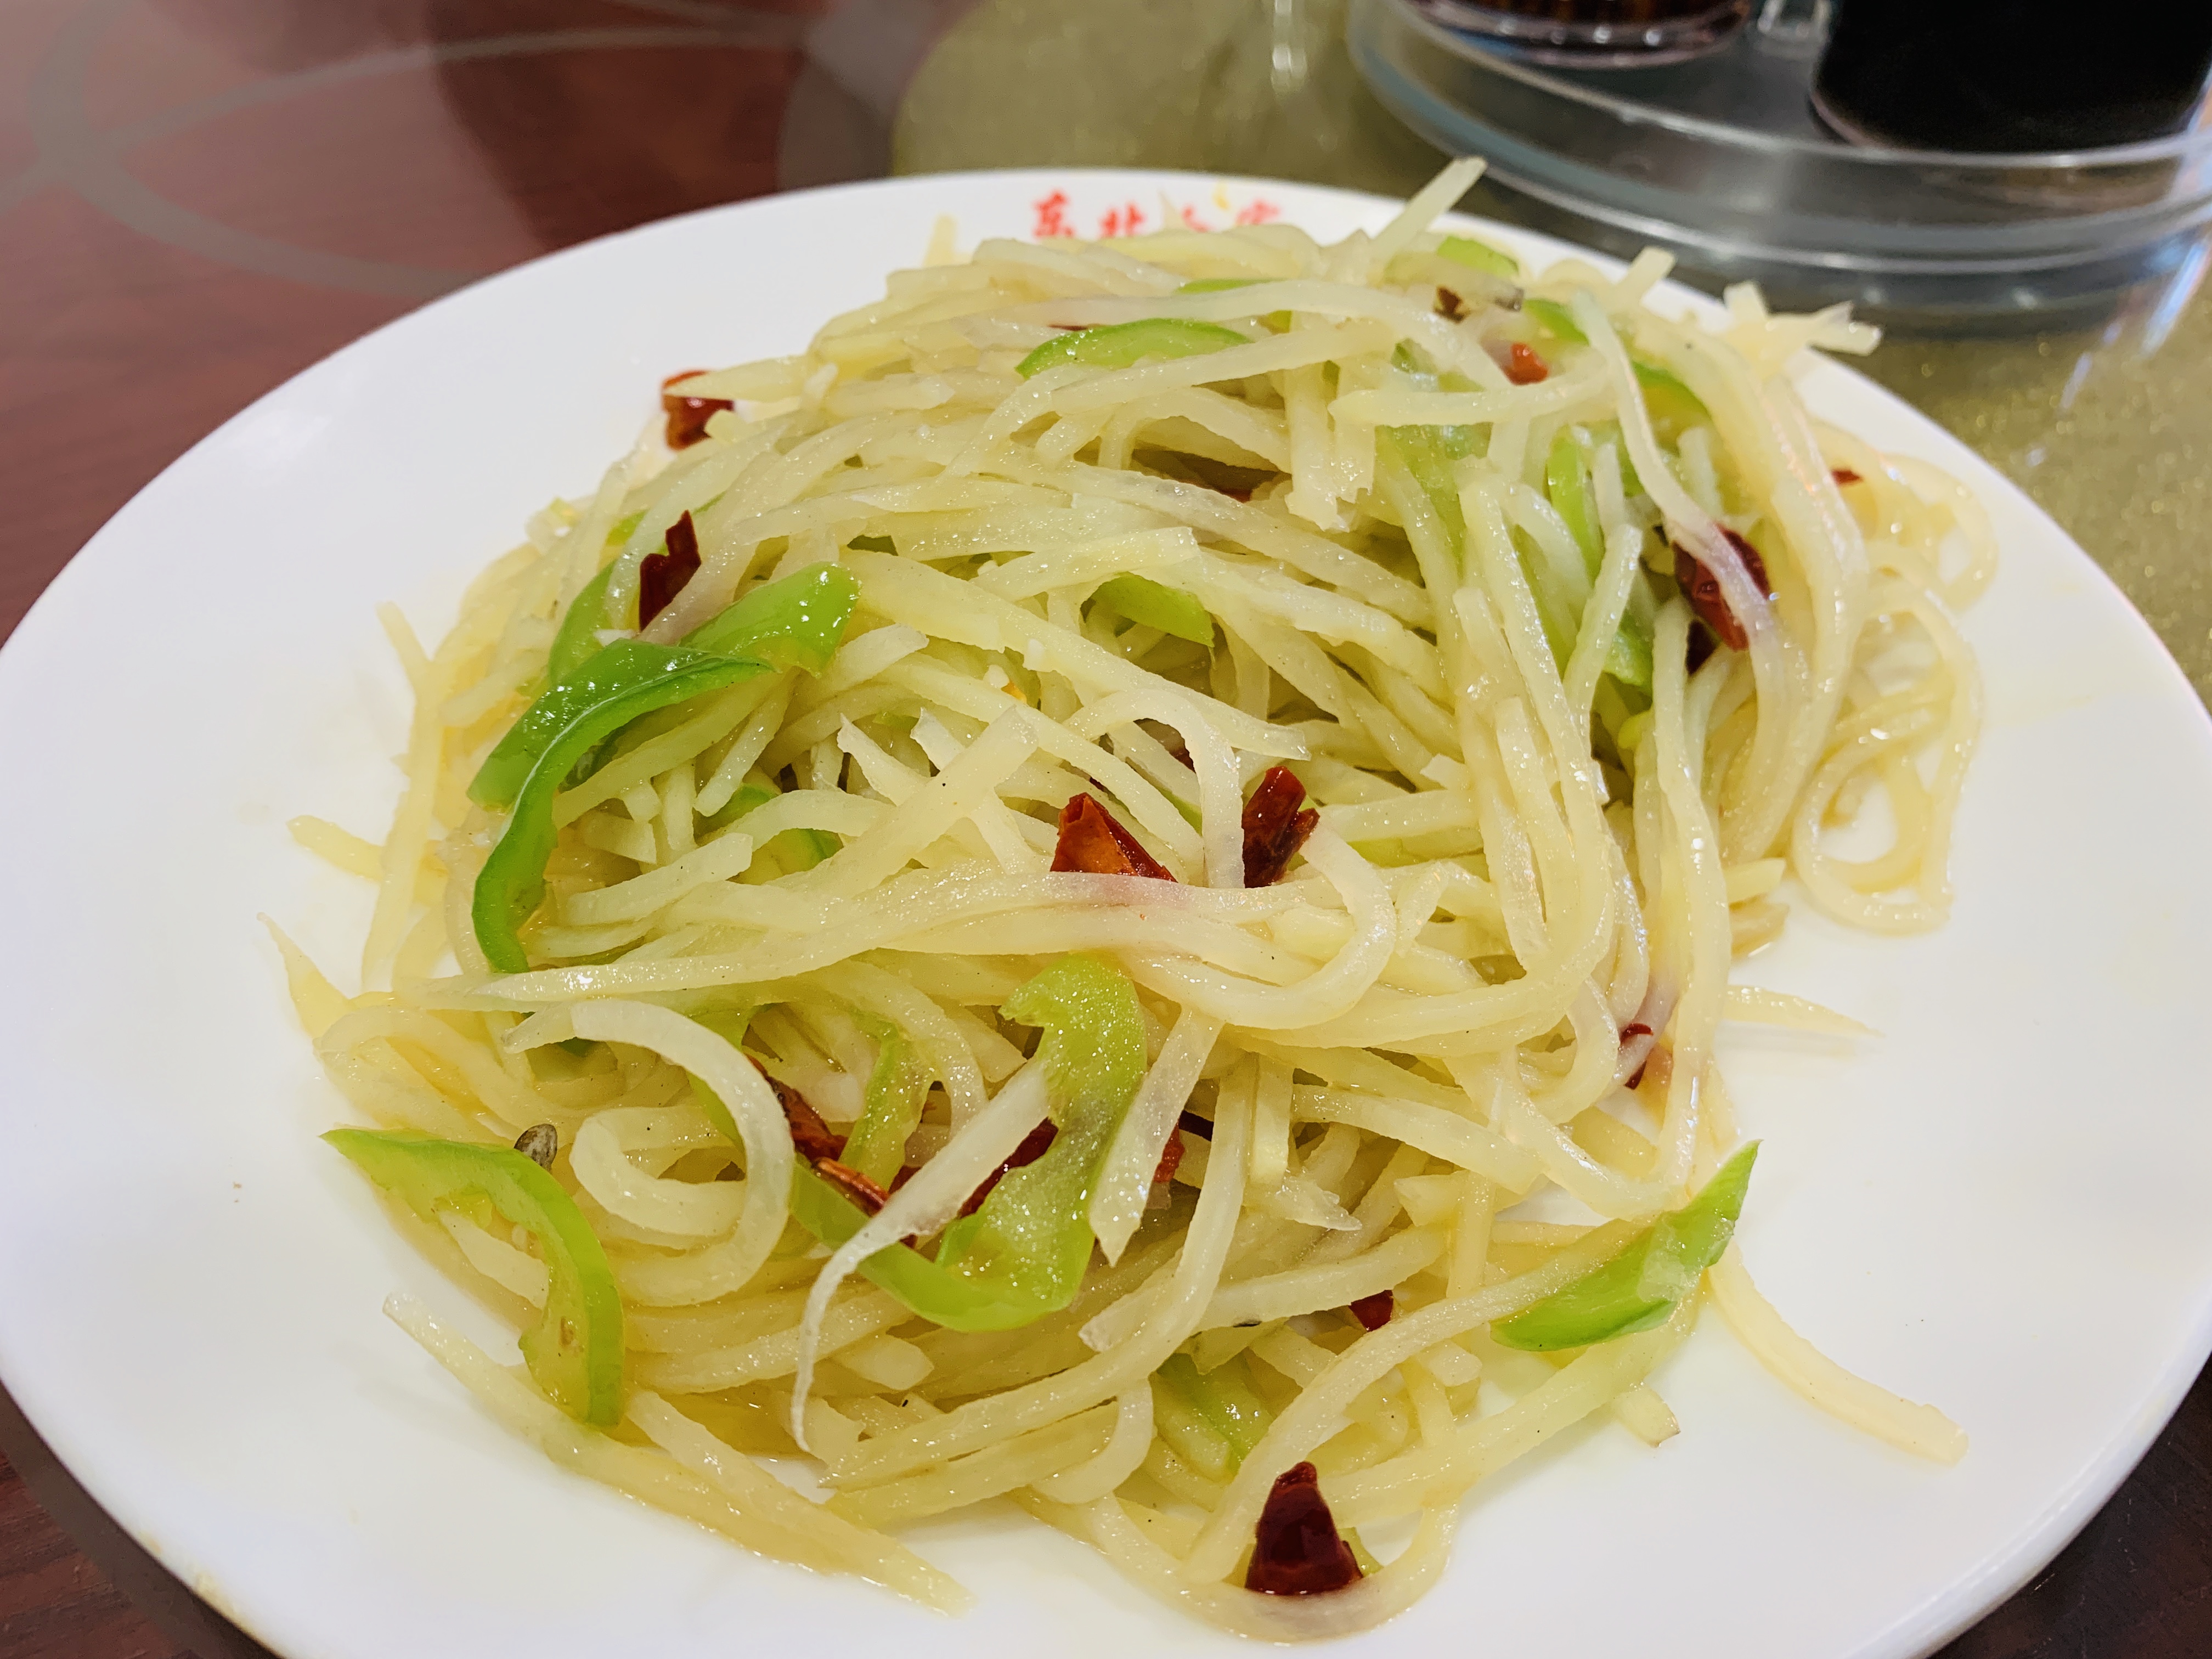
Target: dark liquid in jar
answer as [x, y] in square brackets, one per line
[2013, 74]
[1608, 11]
[1594, 32]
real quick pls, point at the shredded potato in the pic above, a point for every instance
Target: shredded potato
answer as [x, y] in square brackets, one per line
[1578, 673]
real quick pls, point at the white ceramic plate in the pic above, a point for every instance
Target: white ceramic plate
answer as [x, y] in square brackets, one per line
[1999, 1206]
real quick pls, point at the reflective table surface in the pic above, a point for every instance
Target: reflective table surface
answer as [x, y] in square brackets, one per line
[200, 198]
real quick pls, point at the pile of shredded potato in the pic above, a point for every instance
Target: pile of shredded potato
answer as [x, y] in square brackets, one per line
[1573, 682]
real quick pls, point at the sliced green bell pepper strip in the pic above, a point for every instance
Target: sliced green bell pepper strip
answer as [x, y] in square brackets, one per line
[1428, 453]
[1154, 605]
[1223, 1403]
[749, 796]
[1555, 318]
[1608, 432]
[889, 1109]
[1567, 483]
[1628, 659]
[729, 1024]
[1668, 400]
[1480, 256]
[1119, 345]
[577, 640]
[790, 851]
[948, 1299]
[1021, 1255]
[1032, 1235]
[952, 1300]
[1638, 1288]
[798, 620]
[620, 669]
[628, 679]
[1667, 396]
[574, 1351]
[794, 623]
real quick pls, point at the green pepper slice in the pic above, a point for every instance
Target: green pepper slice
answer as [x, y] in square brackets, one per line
[1222, 1400]
[952, 1300]
[577, 640]
[628, 679]
[574, 1351]
[1567, 483]
[1428, 452]
[749, 796]
[783, 853]
[1555, 318]
[946, 1298]
[1668, 400]
[1638, 1288]
[889, 1109]
[1021, 1254]
[1666, 395]
[1032, 1235]
[794, 623]
[798, 620]
[1480, 256]
[1119, 345]
[619, 670]
[1154, 605]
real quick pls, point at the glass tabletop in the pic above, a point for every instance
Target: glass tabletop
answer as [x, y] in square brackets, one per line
[199, 197]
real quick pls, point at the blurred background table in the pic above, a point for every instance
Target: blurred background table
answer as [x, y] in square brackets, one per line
[199, 197]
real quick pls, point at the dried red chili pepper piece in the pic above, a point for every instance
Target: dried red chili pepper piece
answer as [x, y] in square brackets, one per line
[688, 417]
[1702, 646]
[1274, 828]
[1523, 366]
[1843, 475]
[1296, 1548]
[1373, 1312]
[1090, 841]
[811, 1137]
[661, 577]
[1702, 589]
[1171, 1160]
[1033, 1147]
[1629, 1033]
[867, 1194]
